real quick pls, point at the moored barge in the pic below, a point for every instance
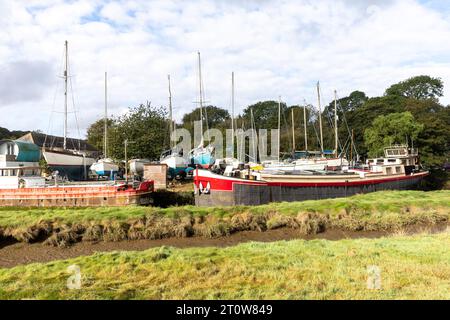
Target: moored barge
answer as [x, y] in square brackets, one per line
[399, 170]
[21, 187]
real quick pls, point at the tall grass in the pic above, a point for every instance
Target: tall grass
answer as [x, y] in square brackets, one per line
[415, 267]
[384, 201]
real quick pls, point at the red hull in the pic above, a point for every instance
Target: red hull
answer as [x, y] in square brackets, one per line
[214, 189]
[99, 195]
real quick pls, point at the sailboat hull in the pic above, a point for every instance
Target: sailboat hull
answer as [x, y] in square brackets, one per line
[73, 166]
[202, 157]
[105, 168]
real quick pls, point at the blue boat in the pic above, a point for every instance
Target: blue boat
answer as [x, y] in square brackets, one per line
[202, 156]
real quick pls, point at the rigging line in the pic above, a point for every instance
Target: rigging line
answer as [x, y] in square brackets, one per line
[317, 135]
[243, 139]
[345, 145]
[76, 119]
[50, 122]
[73, 105]
[323, 111]
[331, 123]
[286, 124]
[206, 112]
[305, 124]
[346, 125]
[254, 135]
[50, 118]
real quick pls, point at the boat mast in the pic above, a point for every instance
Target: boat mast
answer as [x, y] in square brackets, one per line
[320, 116]
[65, 94]
[201, 95]
[279, 124]
[171, 126]
[232, 114]
[304, 126]
[105, 138]
[335, 126]
[293, 131]
[351, 149]
[253, 126]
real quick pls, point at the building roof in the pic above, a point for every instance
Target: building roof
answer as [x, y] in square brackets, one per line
[49, 141]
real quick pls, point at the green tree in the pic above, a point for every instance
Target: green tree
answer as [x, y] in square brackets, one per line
[419, 87]
[359, 118]
[434, 141]
[145, 127]
[213, 117]
[354, 101]
[346, 108]
[394, 128]
[6, 134]
[96, 133]
[265, 114]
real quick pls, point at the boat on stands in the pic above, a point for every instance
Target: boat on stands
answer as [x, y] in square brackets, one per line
[178, 167]
[202, 155]
[66, 155]
[137, 167]
[105, 167]
[72, 164]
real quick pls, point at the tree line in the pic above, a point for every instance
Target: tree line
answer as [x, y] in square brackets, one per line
[407, 112]
[13, 134]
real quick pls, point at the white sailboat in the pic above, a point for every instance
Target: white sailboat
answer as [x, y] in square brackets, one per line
[176, 163]
[105, 167]
[202, 155]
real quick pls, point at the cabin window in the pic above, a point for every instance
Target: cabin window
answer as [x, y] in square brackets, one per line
[388, 170]
[398, 169]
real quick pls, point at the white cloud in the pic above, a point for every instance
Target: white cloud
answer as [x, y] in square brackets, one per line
[274, 47]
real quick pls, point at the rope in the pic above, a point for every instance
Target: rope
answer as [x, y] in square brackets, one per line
[348, 129]
[50, 122]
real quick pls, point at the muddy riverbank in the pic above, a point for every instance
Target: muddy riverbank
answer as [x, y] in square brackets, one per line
[13, 253]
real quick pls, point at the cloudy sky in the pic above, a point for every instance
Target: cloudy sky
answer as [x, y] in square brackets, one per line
[274, 47]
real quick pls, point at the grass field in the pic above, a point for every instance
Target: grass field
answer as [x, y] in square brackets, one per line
[387, 210]
[411, 267]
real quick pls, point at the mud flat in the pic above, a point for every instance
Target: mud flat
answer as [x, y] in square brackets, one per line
[410, 267]
[13, 253]
[53, 233]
